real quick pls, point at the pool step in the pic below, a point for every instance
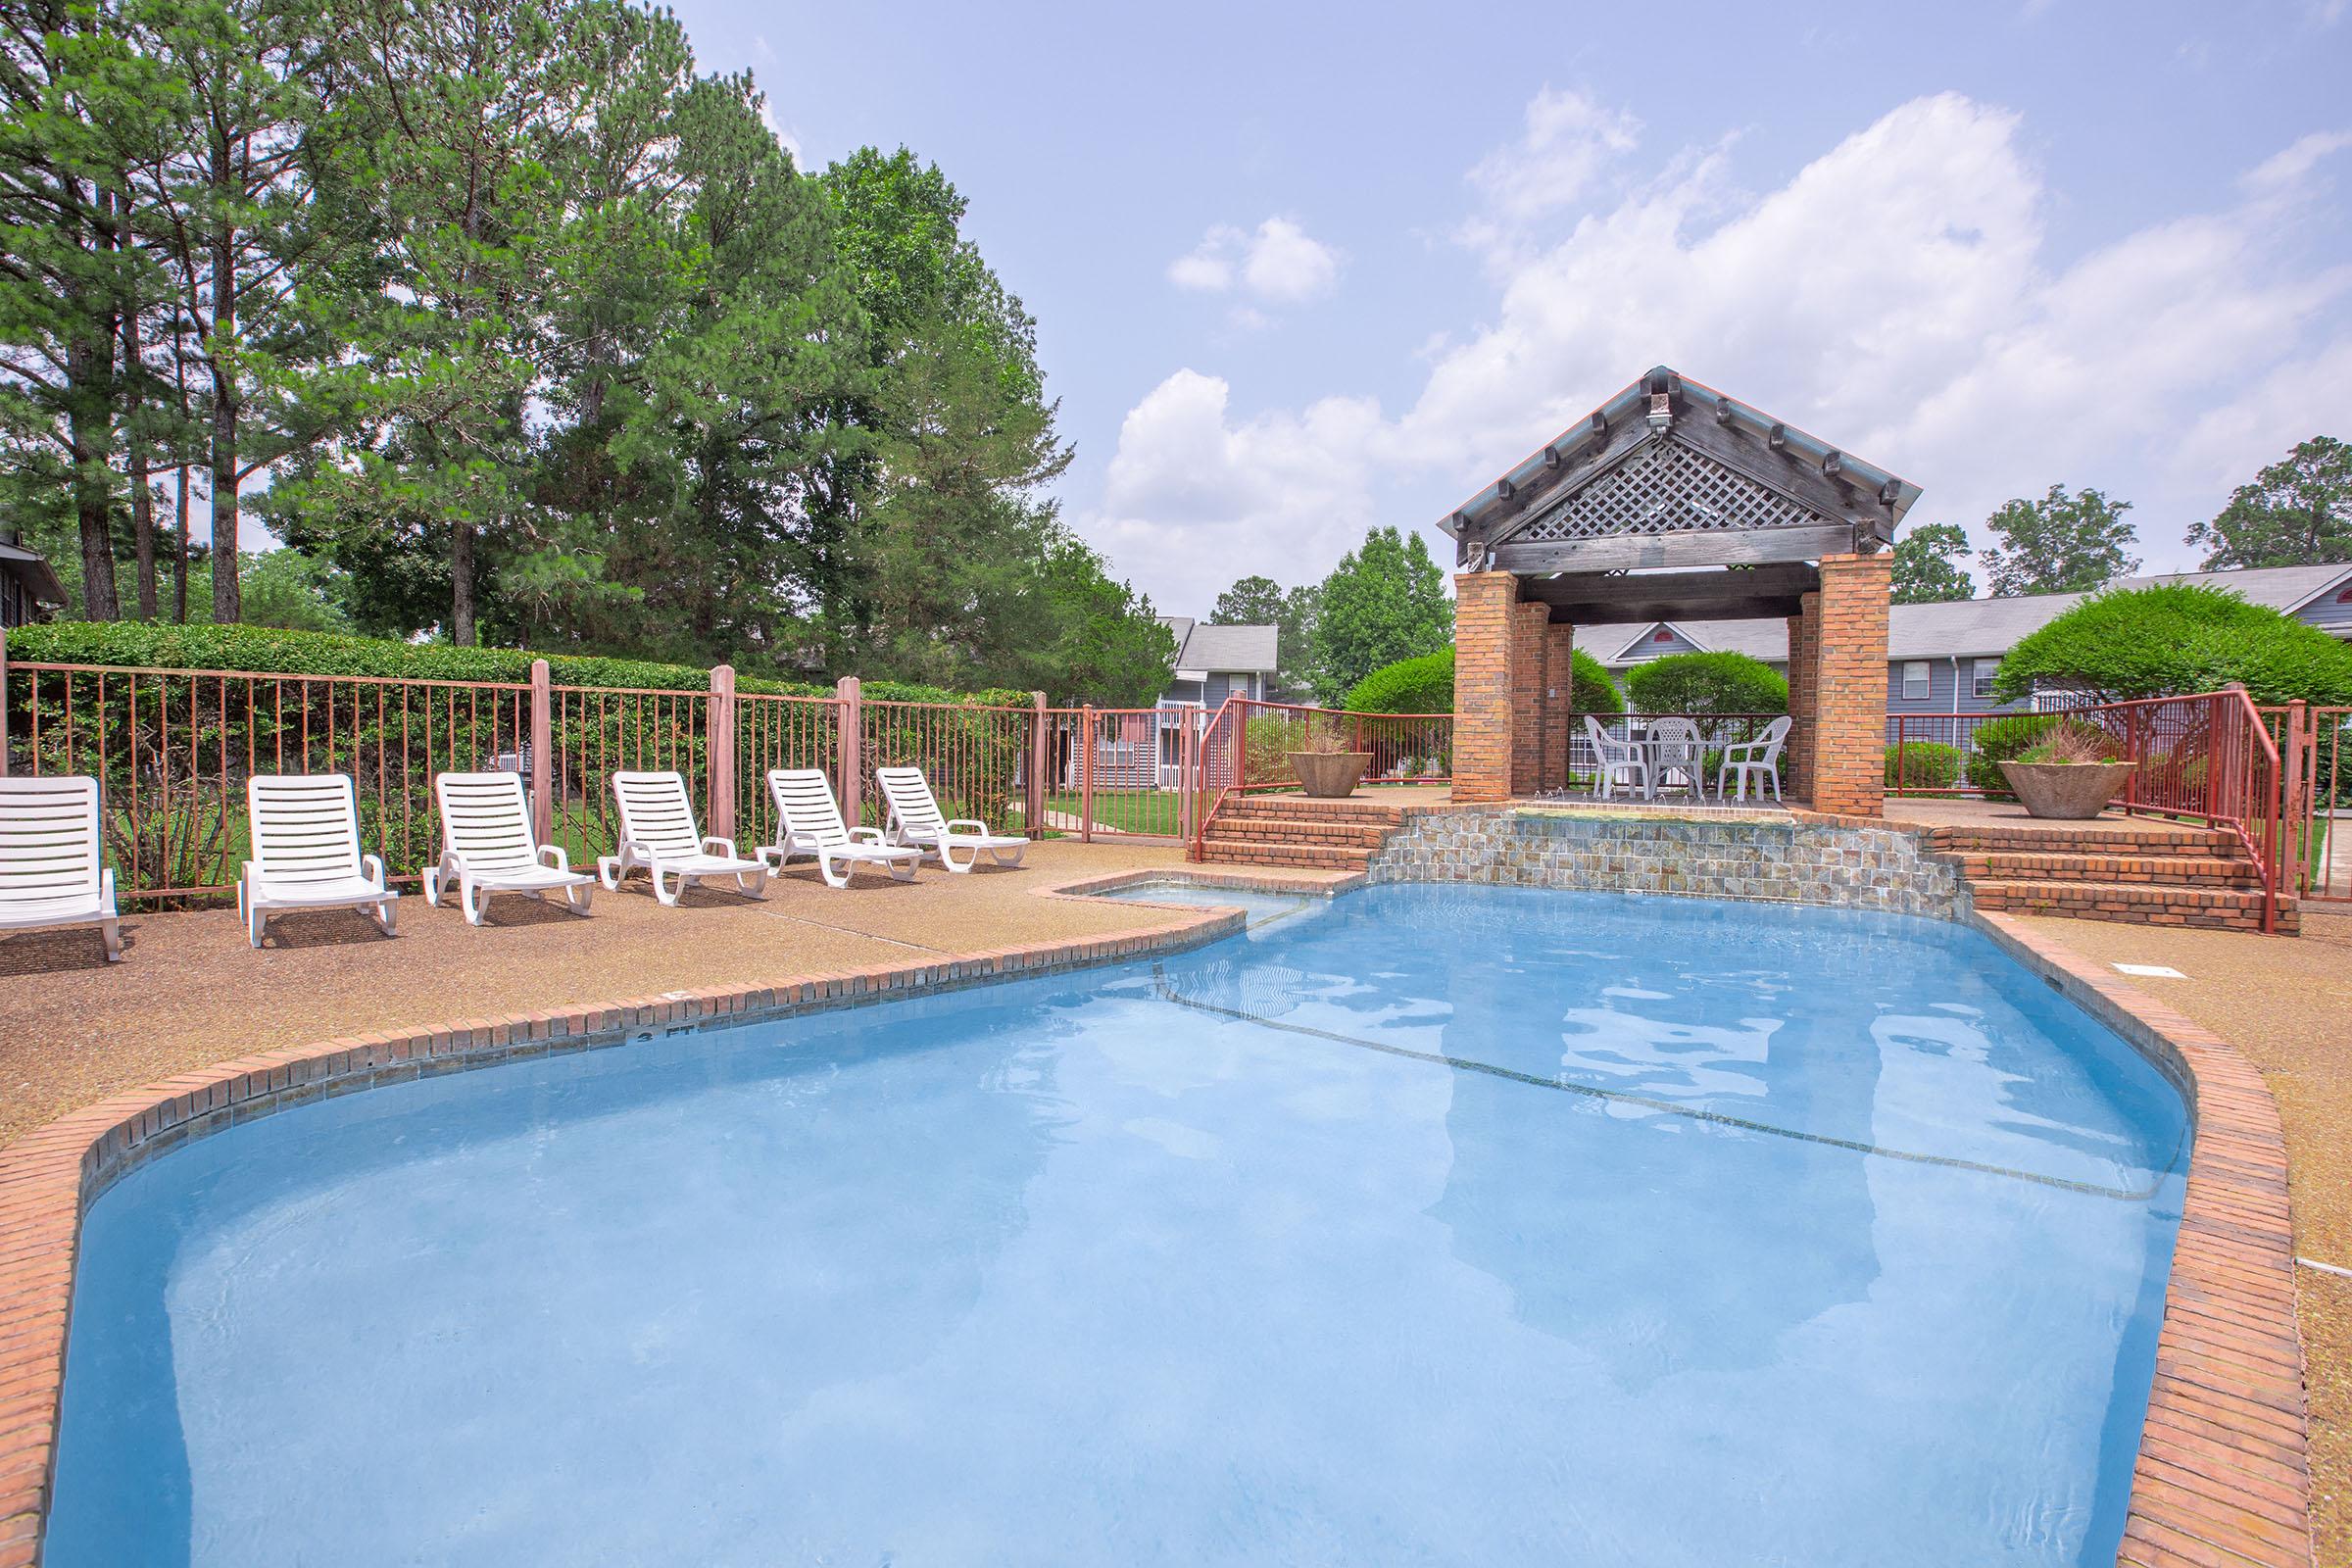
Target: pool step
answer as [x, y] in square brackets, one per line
[2170, 871]
[2216, 909]
[1265, 852]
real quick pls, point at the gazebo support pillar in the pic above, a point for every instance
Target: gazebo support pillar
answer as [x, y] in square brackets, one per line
[1559, 703]
[1530, 632]
[1796, 761]
[1848, 699]
[1486, 620]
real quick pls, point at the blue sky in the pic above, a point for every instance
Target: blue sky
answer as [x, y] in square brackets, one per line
[1302, 270]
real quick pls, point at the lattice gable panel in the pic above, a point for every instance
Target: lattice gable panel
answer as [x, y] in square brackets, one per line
[1666, 487]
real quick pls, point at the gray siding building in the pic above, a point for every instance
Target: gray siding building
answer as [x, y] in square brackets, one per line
[1940, 657]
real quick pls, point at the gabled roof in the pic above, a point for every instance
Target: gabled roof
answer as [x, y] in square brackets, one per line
[1228, 650]
[39, 580]
[1617, 644]
[1679, 463]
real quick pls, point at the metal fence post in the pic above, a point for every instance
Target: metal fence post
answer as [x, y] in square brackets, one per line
[3, 701]
[1085, 776]
[543, 805]
[1033, 801]
[718, 741]
[2294, 819]
[849, 729]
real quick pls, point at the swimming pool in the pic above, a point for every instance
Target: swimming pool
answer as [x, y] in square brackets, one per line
[1433, 1224]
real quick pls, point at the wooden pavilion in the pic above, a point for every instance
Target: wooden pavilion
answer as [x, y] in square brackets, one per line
[1671, 501]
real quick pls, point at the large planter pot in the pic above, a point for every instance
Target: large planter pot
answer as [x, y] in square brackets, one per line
[2066, 791]
[1330, 775]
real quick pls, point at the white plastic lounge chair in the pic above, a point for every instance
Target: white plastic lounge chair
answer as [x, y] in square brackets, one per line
[487, 846]
[50, 871]
[1678, 760]
[1612, 757]
[657, 832]
[305, 852]
[915, 818]
[808, 822]
[1760, 757]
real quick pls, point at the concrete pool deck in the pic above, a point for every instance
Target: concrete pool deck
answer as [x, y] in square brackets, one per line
[337, 1006]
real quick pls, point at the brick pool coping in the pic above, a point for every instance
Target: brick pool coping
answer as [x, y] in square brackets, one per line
[2221, 1478]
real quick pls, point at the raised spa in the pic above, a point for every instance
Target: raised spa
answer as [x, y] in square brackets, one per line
[1425, 1225]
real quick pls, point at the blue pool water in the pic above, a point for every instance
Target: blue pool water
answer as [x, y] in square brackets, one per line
[1424, 1226]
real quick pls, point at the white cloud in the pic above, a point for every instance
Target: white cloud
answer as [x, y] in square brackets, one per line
[1280, 263]
[1567, 142]
[1896, 295]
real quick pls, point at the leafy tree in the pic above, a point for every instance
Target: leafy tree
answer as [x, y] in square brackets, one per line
[1927, 565]
[1262, 602]
[1107, 645]
[2297, 513]
[2063, 543]
[1707, 683]
[2172, 638]
[1385, 600]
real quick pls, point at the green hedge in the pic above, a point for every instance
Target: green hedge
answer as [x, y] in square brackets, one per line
[268, 650]
[1925, 765]
[2003, 740]
[1425, 685]
[1707, 683]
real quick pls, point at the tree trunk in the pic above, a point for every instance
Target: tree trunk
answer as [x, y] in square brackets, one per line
[229, 605]
[134, 441]
[87, 435]
[179, 550]
[461, 584]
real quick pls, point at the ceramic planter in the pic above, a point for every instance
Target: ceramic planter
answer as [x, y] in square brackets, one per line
[1330, 775]
[2066, 791]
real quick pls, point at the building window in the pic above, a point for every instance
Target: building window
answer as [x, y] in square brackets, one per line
[1914, 680]
[1662, 637]
[1983, 676]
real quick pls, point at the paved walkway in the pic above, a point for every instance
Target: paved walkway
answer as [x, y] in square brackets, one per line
[189, 992]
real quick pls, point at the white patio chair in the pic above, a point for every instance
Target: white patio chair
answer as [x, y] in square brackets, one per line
[808, 822]
[305, 852]
[1610, 757]
[1760, 757]
[487, 846]
[51, 870]
[657, 832]
[1678, 757]
[915, 818]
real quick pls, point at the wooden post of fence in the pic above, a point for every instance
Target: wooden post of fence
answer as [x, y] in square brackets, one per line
[848, 730]
[543, 804]
[1033, 802]
[718, 743]
[1185, 788]
[3, 701]
[1086, 777]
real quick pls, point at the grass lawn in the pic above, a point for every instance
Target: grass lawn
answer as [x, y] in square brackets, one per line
[1125, 810]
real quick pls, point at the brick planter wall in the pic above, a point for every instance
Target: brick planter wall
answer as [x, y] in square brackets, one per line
[1848, 865]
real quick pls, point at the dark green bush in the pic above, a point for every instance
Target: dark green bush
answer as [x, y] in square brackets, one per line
[2003, 740]
[1707, 683]
[1425, 685]
[1925, 765]
[2175, 639]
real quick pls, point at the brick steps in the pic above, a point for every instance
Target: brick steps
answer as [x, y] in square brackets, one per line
[1299, 808]
[2134, 903]
[1256, 852]
[1300, 830]
[2165, 841]
[2184, 870]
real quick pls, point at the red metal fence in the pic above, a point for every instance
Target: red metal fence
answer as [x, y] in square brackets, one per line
[2314, 744]
[173, 749]
[1245, 746]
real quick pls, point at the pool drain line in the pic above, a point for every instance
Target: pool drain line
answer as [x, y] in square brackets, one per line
[1168, 993]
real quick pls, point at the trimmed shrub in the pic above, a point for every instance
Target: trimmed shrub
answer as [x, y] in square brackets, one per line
[1425, 685]
[2003, 740]
[2175, 639]
[1925, 765]
[269, 650]
[1707, 683]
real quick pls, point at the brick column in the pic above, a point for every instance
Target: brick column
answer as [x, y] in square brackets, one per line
[1484, 605]
[1559, 700]
[1850, 685]
[1530, 626]
[1796, 758]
